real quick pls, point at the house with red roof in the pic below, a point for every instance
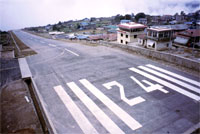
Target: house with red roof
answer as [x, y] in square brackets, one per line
[128, 32]
[188, 38]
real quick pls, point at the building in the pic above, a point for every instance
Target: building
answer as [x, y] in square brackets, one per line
[128, 32]
[159, 38]
[179, 18]
[125, 21]
[166, 17]
[188, 38]
[56, 33]
[175, 28]
[142, 21]
[111, 28]
[142, 40]
[155, 20]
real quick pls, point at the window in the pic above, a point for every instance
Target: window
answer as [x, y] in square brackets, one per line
[126, 42]
[135, 36]
[126, 36]
[121, 41]
[149, 33]
[153, 45]
[161, 35]
[166, 34]
[154, 34]
[121, 34]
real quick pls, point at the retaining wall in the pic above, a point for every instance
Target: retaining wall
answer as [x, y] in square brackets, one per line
[185, 62]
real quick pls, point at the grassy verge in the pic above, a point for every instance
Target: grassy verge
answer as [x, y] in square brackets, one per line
[24, 50]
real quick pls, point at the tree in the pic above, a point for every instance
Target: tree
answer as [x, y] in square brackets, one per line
[128, 17]
[78, 26]
[182, 13]
[119, 17]
[55, 28]
[139, 15]
[59, 23]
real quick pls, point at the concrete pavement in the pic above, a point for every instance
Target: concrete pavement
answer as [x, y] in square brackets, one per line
[110, 91]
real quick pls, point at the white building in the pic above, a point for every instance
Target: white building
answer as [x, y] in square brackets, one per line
[128, 32]
[159, 38]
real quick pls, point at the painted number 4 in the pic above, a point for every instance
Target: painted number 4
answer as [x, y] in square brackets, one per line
[139, 99]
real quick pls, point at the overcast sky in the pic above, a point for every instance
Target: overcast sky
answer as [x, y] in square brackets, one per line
[15, 14]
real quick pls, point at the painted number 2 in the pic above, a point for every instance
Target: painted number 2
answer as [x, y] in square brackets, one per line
[131, 102]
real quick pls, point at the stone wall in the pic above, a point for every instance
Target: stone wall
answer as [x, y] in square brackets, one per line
[185, 62]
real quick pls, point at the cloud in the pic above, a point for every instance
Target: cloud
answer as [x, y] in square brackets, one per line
[160, 7]
[23, 13]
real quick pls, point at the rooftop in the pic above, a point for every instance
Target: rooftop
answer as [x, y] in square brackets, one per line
[191, 32]
[132, 25]
[174, 27]
[159, 29]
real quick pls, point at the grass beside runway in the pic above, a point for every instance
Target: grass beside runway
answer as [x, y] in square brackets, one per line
[24, 49]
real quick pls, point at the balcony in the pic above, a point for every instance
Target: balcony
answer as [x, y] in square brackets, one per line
[160, 38]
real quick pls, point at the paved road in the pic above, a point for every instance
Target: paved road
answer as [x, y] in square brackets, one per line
[105, 90]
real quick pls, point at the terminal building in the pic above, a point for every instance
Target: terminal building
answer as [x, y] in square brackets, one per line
[128, 32]
[159, 38]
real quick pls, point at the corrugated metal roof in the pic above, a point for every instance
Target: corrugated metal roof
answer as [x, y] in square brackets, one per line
[159, 29]
[192, 32]
[131, 25]
[174, 27]
[181, 40]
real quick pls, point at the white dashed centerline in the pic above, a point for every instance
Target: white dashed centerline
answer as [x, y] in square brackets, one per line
[52, 45]
[71, 52]
[65, 49]
[42, 42]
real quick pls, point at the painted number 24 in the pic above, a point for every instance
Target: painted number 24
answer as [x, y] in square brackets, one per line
[139, 99]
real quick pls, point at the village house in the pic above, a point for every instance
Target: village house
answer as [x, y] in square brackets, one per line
[125, 21]
[142, 40]
[159, 38]
[179, 18]
[142, 21]
[175, 28]
[128, 32]
[155, 20]
[166, 17]
[188, 38]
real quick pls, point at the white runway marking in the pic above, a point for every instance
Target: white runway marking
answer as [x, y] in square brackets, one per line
[183, 84]
[27, 99]
[95, 110]
[151, 87]
[124, 116]
[42, 42]
[175, 75]
[71, 52]
[167, 84]
[79, 117]
[131, 102]
[52, 45]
